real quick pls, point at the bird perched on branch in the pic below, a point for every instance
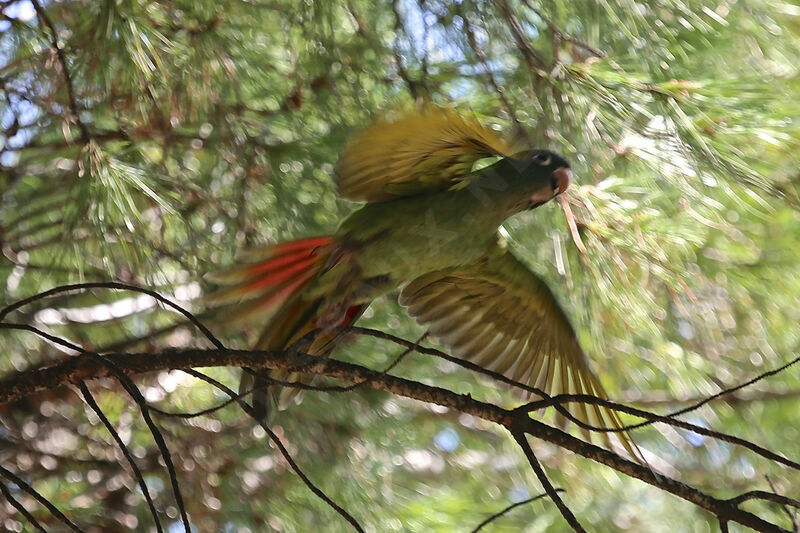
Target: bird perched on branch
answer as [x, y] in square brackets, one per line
[429, 226]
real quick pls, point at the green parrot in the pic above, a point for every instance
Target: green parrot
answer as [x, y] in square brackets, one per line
[429, 226]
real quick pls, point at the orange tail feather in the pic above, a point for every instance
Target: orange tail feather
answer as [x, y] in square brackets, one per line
[272, 281]
[274, 275]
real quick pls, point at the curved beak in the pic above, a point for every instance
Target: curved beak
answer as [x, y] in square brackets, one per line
[560, 179]
[559, 182]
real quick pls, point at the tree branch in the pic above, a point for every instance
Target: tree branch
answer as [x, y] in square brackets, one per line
[80, 368]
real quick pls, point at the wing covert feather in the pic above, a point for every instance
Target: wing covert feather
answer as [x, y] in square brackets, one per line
[427, 149]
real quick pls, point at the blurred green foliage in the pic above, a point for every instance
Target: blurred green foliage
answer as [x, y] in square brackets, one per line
[170, 134]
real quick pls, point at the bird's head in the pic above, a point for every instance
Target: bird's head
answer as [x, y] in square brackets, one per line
[547, 174]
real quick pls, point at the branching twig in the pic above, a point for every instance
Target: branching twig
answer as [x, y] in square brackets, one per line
[554, 401]
[89, 365]
[114, 285]
[530, 55]
[82, 368]
[398, 58]
[563, 36]
[731, 390]
[764, 495]
[558, 401]
[136, 394]
[792, 514]
[133, 390]
[473, 43]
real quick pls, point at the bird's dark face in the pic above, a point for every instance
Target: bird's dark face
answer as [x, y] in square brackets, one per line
[549, 174]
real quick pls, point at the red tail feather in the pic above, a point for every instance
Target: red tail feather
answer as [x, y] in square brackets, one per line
[276, 263]
[283, 270]
[273, 275]
[285, 291]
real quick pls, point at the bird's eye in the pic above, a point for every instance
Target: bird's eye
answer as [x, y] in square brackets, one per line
[542, 159]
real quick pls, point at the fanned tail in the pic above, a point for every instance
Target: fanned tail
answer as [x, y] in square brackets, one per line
[271, 284]
[270, 277]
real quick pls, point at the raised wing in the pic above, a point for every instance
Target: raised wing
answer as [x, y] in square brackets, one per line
[500, 315]
[428, 149]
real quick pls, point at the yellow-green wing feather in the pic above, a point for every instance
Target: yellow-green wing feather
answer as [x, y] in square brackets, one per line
[427, 149]
[498, 314]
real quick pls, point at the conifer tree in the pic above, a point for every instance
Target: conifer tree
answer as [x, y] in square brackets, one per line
[145, 143]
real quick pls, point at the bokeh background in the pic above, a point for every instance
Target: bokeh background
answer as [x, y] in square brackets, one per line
[146, 141]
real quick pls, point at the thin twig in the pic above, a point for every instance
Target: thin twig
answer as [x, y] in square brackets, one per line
[11, 476]
[398, 58]
[114, 285]
[558, 400]
[286, 455]
[562, 35]
[393, 364]
[764, 495]
[21, 508]
[528, 53]
[473, 43]
[566, 512]
[87, 396]
[62, 60]
[792, 514]
[136, 394]
[509, 508]
[733, 389]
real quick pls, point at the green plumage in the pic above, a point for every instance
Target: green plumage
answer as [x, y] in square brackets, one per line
[430, 228]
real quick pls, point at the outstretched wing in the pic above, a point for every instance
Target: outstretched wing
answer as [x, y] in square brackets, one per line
[498, 314]
[427, 149]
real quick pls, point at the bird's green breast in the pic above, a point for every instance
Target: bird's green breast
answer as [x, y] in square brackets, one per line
[407, 237]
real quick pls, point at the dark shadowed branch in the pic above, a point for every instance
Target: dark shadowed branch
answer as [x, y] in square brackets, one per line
[62, 61]
[89, 365]
[90, 401]
[81, 367]
[786, 508]
[21, 508]
[26, 487]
